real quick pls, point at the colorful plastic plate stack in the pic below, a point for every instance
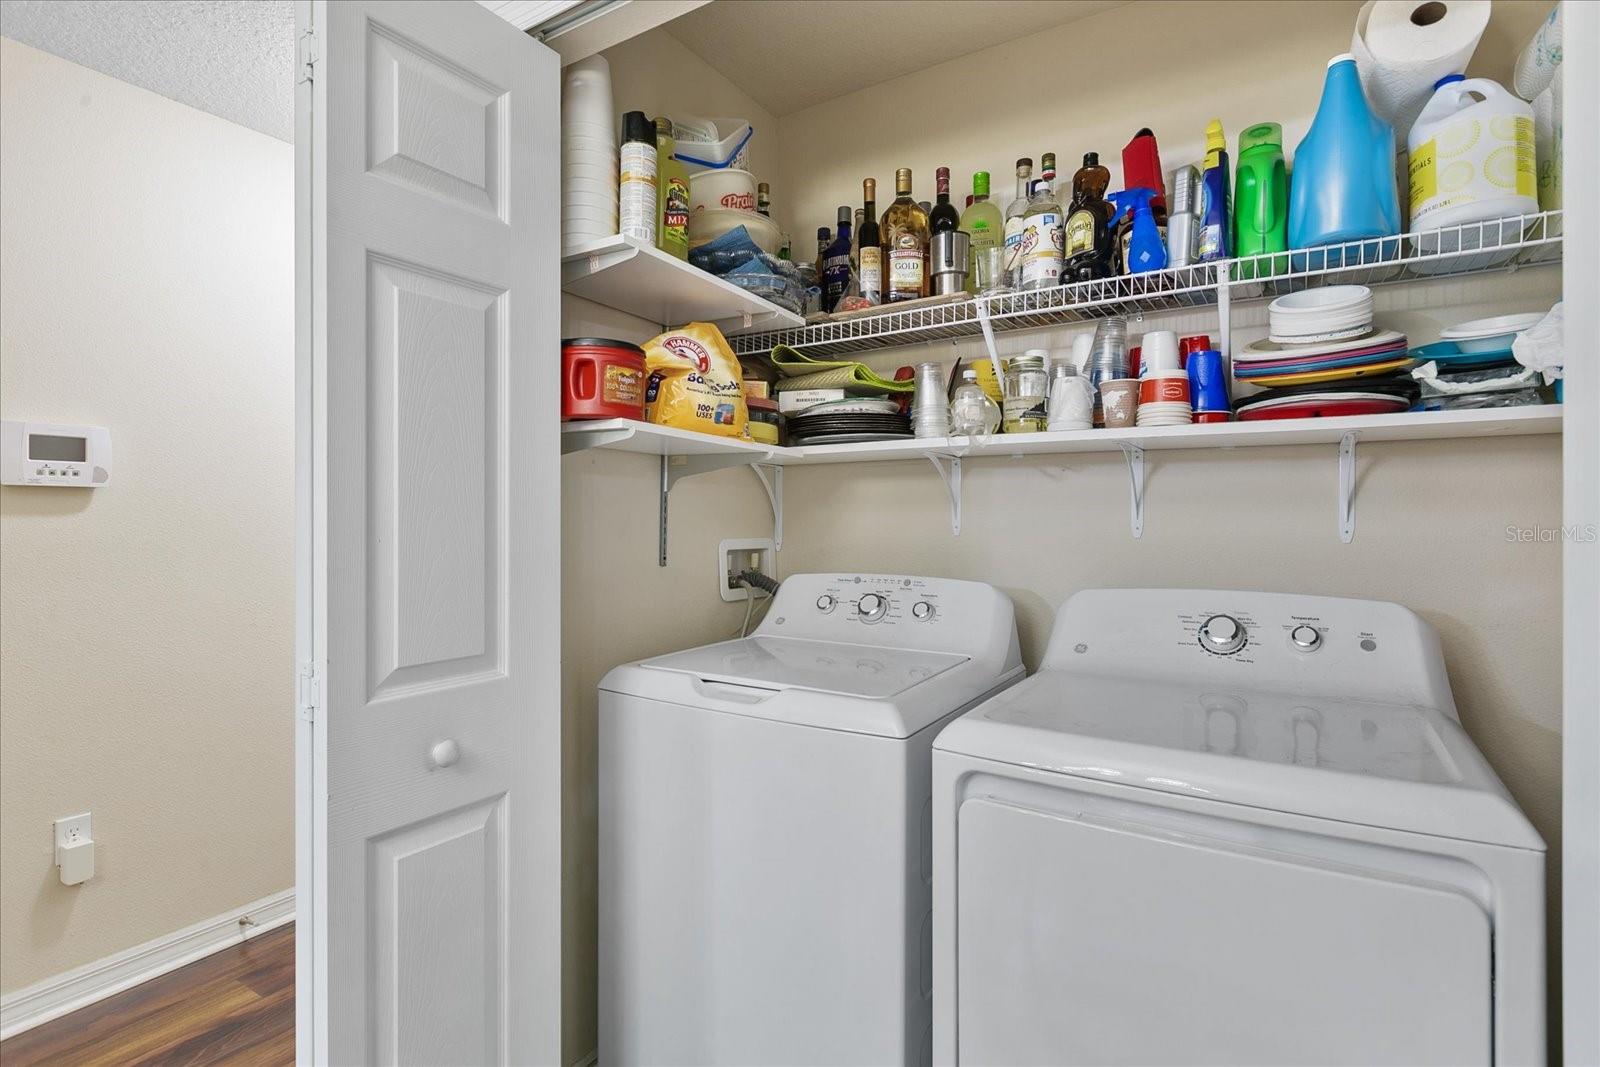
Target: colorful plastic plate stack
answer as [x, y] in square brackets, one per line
[1373, 353]
[1379, 397]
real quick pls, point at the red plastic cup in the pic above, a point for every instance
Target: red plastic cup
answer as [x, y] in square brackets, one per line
[1199, 342]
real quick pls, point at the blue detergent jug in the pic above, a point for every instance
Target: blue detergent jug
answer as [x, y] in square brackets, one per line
[1343, 187]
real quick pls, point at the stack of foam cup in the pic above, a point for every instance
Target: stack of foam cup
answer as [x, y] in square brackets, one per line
[1163, 384]
[930, 411]
[588, 155]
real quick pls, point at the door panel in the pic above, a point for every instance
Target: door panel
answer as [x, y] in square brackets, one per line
[1088, 940]
[433, 499]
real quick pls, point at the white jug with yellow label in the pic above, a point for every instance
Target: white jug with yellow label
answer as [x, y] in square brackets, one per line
[1472, 161]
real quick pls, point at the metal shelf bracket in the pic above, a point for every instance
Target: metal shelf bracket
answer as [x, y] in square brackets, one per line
[949, 468]
[1347, 487]
[1135, 457]
[771, 475]
[675, 469]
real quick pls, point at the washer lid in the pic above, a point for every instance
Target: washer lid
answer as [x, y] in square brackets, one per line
[1403, 767]
[782, 663]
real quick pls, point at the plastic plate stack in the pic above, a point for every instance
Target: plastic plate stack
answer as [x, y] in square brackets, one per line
[1325, 358]
[1472, 366]
[849, 421]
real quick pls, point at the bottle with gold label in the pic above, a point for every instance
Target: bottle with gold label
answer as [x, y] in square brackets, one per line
[905, 235]
[1089, 233]
[871, 247]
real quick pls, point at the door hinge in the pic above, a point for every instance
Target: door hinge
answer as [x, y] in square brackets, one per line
[310, 56]
[308, 693]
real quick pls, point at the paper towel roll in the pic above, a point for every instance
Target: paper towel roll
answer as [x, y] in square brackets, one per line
[1403, 46]
[1540, 58]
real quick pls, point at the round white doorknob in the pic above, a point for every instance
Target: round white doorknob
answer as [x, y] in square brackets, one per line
[445, 753]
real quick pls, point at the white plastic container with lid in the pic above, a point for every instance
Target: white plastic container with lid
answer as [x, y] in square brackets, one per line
[1472, 160]
[712, 144]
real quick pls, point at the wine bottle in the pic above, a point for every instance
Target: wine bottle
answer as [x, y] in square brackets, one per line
[943, 218]
[868, 240]
[905, 241]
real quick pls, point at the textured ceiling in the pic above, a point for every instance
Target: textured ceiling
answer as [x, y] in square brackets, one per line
[789, 56]
[233, 58]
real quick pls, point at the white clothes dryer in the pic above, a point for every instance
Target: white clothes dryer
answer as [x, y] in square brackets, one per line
[765, 839]
[1232, 828]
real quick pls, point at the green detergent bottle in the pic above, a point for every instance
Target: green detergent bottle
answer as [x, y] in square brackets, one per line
[1261, 200]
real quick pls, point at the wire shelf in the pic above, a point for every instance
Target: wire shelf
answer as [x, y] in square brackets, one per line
[1501, 244]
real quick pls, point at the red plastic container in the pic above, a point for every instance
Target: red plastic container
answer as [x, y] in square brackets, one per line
[601, 379]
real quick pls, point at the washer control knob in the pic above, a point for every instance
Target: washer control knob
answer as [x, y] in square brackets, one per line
[1306, 638]
[922, 610]
[872, 606]
[1222, 634]
[825, 603]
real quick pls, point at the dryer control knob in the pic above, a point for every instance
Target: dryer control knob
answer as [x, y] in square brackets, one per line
[1306, 638]
[1222, 634]
[825, 603]
[872, 606]
[922, 610]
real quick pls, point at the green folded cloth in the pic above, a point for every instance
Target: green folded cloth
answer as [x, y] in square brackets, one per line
[800, 371]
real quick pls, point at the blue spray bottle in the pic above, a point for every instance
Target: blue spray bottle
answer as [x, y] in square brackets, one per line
[1147, 250]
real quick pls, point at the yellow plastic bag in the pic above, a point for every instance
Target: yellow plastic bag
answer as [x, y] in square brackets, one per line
[693, 382]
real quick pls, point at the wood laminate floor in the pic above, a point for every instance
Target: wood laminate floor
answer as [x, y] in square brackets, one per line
[234, 1007]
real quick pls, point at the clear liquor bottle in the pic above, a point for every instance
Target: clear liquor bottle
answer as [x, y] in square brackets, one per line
[986, 235]
[1043, 233]
[1012, 262]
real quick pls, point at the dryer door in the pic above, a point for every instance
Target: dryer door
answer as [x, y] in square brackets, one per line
[1084, 939]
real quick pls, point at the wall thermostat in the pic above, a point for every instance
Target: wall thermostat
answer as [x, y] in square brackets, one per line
[43, 453]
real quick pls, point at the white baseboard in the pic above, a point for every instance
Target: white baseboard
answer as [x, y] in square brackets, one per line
[54, 997]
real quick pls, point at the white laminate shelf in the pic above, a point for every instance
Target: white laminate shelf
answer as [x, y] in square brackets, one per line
[641, 280]
[684, 453]
[629, 436]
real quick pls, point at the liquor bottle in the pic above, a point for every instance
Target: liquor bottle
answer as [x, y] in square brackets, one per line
[986, 234]
[1012, 263]
[944, 218]
[1089, 237]
[672, 194]
[1043, 236]
[764, 200]
[904, 233]
[855, 239]
[871, 270]
[836, 264]
[824, 239]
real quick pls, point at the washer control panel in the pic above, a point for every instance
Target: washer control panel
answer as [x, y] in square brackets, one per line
[885, 609]
[1286, 642]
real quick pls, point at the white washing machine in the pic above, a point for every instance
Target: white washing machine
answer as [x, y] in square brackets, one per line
[1240, 828]
[765, 835]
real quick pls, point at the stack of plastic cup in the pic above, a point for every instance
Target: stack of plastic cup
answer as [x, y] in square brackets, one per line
[1208, 386]
[588, 155]
[930, 411]
[1108, 358]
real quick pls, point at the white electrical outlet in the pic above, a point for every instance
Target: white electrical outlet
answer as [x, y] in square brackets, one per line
[747, 554]
[74, 849]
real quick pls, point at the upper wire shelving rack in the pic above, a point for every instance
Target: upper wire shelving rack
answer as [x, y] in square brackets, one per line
[1503, 244]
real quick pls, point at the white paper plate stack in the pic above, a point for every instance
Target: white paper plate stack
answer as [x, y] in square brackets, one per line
[1490, 335]
[588, 155]
[1315, 316]
[1164, 413]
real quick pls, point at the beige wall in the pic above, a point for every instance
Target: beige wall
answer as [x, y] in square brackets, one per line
[146, 285]
[617, 604]
[1431, 516]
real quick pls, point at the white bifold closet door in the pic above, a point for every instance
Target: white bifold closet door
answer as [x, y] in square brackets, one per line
[428, 777]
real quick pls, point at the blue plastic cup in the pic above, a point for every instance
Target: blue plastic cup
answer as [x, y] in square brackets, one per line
[1208, 385]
